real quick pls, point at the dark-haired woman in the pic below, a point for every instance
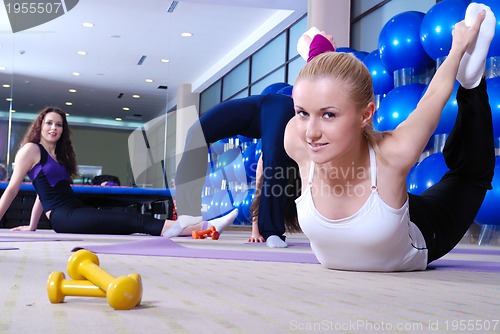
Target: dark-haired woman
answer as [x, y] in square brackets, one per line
[48, 158]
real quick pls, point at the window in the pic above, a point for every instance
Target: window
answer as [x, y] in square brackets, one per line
[277, 61]
[294, 68]
[277, 76]
[210, 97]
[295, 32]
[235, 80]
[269, 57]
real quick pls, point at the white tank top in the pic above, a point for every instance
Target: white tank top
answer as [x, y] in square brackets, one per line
[376, 238]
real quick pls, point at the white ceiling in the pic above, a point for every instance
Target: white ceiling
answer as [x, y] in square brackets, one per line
[40, 61]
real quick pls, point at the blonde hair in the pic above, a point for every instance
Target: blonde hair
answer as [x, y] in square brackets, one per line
[353, 73]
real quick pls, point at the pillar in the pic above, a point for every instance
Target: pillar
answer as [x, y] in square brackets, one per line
[187, 113]
[332, 16]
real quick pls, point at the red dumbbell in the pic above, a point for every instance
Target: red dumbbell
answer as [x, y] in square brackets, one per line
[211, 232]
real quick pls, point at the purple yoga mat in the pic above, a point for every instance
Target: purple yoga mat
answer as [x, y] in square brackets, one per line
[30, 239]
[166, 247]
[487, 251]
[8, 248]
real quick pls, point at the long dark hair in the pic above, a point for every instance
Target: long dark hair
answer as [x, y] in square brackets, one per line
[292, 192]
[64, 148]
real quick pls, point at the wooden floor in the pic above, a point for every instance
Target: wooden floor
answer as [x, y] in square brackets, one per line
[207, 295]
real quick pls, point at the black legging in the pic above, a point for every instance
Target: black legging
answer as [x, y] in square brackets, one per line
[445, 211]
[88, 220]
[256, 116]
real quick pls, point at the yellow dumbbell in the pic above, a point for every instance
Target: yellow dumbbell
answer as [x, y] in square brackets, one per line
[58, 287]
[122, 293]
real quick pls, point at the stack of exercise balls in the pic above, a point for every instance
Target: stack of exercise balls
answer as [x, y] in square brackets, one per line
[231, 172]
[409, 45]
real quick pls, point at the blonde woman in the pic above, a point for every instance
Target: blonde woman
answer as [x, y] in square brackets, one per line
[354, 205]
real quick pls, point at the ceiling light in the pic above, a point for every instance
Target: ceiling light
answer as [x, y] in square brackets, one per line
[88, 25]
[76, 74]
[186, 34]
[8, 99]
[69, 103]
[118, 119]
[136, 96]
[126, 108]
[2, 68]
[172, 6]
[5, 85]
[81, 53]
[72, 90]
[149, 80]
[165, 60]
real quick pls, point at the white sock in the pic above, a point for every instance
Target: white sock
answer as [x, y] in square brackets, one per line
[302, 46]
[180, 224]
[275, 242]
[222, 222]
[185, 220]
[473, 62]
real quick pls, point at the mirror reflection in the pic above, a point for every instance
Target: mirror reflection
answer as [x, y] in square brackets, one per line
[115, 67]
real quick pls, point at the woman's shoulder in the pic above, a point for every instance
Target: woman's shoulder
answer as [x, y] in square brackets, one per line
[27, 156]
[394, 153]
[30, 147]
[29, 151]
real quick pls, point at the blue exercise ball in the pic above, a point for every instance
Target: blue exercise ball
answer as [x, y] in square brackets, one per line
[488, 213]
[360, 54]
[258, 150]
[226, 161]
[449, 113]
[396, 106]
[216, 177]
[220, 204]
[494, 5]
[219, 146]
[244, 139]
[214, 205]
[345, 50]
[286, 91]
[426, 173]
[437, 25]
[249, 161]
[493, 89]
[206, 201]
[399, 42]
[382, 79]
[239, 200]
[243, 202]
[247, 203]
[274, 88]
[234, 166]
[239, 171]
[226, 204]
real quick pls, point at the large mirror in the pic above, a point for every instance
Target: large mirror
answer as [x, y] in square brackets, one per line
[116, 66]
